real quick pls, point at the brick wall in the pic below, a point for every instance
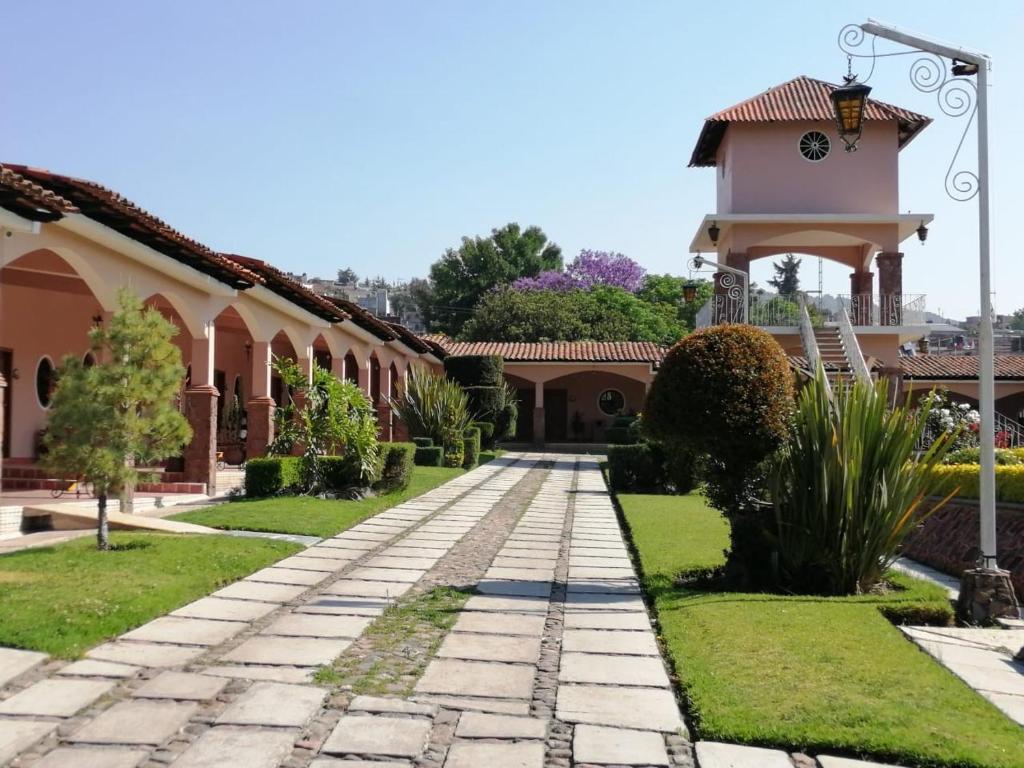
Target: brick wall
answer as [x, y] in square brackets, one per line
[949, 540]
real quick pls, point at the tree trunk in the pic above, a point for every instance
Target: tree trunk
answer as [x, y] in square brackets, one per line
[102, 529]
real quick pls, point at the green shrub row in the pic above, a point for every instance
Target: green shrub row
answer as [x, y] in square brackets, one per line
[423, 442]
[271, 475]
[965, 479]
[1004, 456]
[429, 456]
[486, 433]
[650, 468]
[622, 432]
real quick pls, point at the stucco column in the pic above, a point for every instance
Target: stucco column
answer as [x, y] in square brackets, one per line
[364, 377]
[861, 297]
[3, 386]
[890, 288]
[728, 298]
[538, 413]
[299, 395]
[259, 410]
[201, 410]
[338, 367]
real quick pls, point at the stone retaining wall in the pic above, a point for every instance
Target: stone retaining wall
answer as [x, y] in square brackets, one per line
[949, 539]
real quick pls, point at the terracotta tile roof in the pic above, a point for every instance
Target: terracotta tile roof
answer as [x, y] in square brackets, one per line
[802, 98]
[28, 199]
[122, 215]
[410, 339]
[558, 351]
[363, 318]
[277, 281]
[959, 367]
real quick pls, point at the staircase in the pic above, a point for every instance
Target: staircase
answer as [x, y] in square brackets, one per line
[833, 356]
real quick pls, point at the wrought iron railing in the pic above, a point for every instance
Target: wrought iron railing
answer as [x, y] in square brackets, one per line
[778, 310]
[1009, 433]
[810, 344]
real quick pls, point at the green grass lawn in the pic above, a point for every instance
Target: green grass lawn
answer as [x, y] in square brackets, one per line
[311, 516]
[67, 598]
[815, 674]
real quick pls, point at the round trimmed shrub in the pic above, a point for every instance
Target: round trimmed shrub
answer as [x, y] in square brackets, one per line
[485, 402]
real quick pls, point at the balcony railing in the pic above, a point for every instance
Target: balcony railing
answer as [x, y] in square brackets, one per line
[767, 310]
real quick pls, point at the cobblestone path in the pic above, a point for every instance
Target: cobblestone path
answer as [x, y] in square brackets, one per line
[551, 662]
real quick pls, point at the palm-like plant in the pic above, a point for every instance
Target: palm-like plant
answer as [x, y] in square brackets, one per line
[433, 406]
[849, 486]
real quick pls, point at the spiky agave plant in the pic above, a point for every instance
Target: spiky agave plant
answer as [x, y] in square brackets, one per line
[849, 486]
[432, 406]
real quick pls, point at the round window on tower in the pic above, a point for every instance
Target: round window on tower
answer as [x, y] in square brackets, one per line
[815, 146]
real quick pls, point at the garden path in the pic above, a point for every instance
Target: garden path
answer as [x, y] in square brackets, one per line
[551, 662]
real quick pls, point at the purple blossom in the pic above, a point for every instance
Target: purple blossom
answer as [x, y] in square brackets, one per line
[589, 269]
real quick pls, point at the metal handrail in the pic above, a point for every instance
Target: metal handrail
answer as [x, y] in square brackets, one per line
[1013, 431]
[810, 344]
[851, 348]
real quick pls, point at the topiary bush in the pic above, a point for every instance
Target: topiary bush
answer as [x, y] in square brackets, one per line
[454, 453]
[486, 433]
[430, 456]
[272, 475]
[621, 431]
[396, 469]
[423, 442]
[726, 393]
[475, 370]
[636, 468]
[485, 401]
[505, 420]
[340, 472]
[471, 448]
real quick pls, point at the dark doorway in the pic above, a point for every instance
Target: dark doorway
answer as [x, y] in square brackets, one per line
[352, 369]
[524, 421]
[556, 415]
[6, 371]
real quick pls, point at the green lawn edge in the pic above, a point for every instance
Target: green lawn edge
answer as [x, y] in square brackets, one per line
[309, 516]
[822, 675]
[67, 598]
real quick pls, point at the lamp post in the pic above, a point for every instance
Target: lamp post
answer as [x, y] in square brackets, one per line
[733, 290]
[987, 582]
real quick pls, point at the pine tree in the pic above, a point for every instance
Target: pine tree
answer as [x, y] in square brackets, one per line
[786, 280]
[120, 411]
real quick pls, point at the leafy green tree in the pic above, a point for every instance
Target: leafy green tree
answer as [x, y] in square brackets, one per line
[668, 289]
[603, 313]
[462, 276]
[119, 412]
[347, 275]
[1017, 323]
[787, 279]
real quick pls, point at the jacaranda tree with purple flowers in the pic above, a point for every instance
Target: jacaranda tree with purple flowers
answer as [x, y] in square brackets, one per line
[586, 271]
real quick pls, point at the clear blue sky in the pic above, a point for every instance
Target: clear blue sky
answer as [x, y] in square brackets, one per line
[375, 134]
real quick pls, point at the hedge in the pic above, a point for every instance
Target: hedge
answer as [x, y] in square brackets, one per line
[505, 422]
[454, 453]
[396, 468]
[485, 402]
[1008, 456]
[471, 448]
[271, 475]
[475, 370]
[423, 442]
[486, 433]
[651, 468]
[339, 472]
[1009, 481]
[621, 432]
[430, 456]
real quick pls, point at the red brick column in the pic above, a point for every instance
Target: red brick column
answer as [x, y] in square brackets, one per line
[201, 452]
[259, 420]
[862, 291]
[384, 426]
[399, 432]
[890, 288]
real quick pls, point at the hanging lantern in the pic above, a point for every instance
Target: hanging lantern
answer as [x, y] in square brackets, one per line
[689, 291]
[848, 106]
[713, 233]
[922, 233]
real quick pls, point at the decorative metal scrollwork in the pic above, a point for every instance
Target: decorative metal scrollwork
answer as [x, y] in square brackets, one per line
[956, 97]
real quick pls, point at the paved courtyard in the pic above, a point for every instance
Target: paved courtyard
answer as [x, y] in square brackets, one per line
[551, 661]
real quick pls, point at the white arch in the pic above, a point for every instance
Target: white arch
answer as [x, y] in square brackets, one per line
[104, 291]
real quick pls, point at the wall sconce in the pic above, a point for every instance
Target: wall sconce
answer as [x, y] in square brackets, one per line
[922, 233]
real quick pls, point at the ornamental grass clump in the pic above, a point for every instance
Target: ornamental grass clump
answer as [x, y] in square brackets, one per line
[849, 486]
[436, 407]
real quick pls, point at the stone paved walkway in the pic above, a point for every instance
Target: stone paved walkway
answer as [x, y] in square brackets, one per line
[551, 663]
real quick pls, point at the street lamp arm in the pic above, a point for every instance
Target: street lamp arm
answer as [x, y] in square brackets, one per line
[877, 28]
[700, 261]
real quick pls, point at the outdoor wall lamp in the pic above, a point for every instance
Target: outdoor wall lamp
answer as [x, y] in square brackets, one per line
[713, 233]
[922, 233]
[689, 291]
[848, 106]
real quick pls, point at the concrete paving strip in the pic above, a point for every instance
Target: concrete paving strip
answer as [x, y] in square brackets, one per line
[15, 662]
[55, 697]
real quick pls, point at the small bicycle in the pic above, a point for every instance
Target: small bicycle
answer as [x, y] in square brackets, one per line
[78, 487]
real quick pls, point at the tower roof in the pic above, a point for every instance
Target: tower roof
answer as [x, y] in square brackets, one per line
[802, 98]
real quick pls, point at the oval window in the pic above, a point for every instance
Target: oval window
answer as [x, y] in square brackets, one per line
[46, 380]
[815, 146]
[611, 402]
